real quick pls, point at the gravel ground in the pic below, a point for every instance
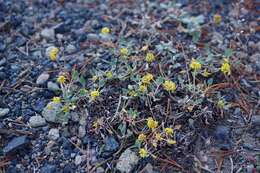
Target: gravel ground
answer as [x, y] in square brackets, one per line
[32, 139]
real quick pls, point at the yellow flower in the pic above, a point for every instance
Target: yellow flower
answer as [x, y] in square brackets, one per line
[105, 30]
[217, 19]
[225, 67]
[168, 131]
[146, 79]
[149, 57]
[94, 78]
[151, 123]
[206, 73]
[123, 51]
[195, 65]
[109, 74]
[49, 107]
[142, 88]
[94, 94]
[53, 53]
[143, 153]
[158, 137]
[61, 79]
[141, 137]
[171, 142]
[221, 104]
[65, 108]
[132, 93]
[56, 99]
[169, 85]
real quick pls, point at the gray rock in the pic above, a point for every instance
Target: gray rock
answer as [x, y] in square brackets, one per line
[127, 161]
[48, 33]
[2, 61]
[70, 49]
[50, 112]
[254, 58]
[100, 170]
[249, 168]
[37, 121]
[54, 134]
[16, 144]
[217, 38]
[255, 120]
[42, 78]
[93, 37]
[53, 86]
[258, 135]
[78, 160]
[82, 131]
[258, 45]
[48, 168]
[111, 144]
[222, 137]
[241, 55]
[74, 117]
[4, 112]
[148, 168]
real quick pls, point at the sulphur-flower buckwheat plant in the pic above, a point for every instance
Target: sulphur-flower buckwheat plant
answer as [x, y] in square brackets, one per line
[141, 137]
[53, 52]
[225, 67]
[151, 123]
[146, 79]
[124, 51]
[149, 57]
[143, 153]
[61, 79]
[105, 30]
[168, 131]
[171, 142]
[217, 19]
[169, 86]
[94, 94]
[195, 65]
[142, 88]
[56, 99]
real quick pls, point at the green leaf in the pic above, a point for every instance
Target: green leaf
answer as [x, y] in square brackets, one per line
[210, 81]
[122, 128]
[75, 75]
[228, 53]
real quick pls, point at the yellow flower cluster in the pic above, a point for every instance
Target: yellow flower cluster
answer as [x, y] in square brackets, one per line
[56, 100]
[195, 65]
[149, 57]
[141, 137]
[105, 30]
[171, 142]
[61, 79]
[143, 153]
[53, 53]
[217, 19]
[142, 88]
[168, 131]
[151, 123]
[109, 74]
[124, 51]
[169, 86]
[146, 79]
[225, 67]
[94, 94]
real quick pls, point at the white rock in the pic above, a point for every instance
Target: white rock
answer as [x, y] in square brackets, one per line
[4, 111]
[78, 160]
[54, 134]
[48, 33]
[127, 161]
[37, 121]
[42, 78]
[50, 112]
[70, 49]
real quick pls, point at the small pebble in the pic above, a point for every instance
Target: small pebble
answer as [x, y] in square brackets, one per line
[54, 134]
